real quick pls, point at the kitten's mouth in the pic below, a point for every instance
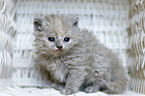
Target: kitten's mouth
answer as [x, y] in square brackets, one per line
[59, 50]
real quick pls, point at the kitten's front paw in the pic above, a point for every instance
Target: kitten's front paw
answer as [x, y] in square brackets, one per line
[57, 86]
[91, 89]
[68, 91]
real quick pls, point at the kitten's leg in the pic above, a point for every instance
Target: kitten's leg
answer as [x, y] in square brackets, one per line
[115, 87]
[108, 87]
[94, 86]
[58, 86]
[74, 81]
[118, 82]
[91, 89]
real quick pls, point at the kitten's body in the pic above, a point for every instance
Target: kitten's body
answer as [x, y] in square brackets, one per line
[83, 63]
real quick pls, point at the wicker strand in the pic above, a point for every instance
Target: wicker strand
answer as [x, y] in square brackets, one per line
[7, 30]
[137, 45]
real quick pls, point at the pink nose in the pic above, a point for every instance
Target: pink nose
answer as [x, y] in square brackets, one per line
[59, 47]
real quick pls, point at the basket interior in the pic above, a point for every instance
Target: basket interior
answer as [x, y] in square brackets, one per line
[116, 23]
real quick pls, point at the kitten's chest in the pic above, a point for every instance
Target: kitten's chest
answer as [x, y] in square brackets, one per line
[57, 69]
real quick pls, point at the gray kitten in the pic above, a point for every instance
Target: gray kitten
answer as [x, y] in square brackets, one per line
[74, 59]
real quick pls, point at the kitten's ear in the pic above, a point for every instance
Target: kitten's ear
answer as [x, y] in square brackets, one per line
[75, 21]
[49, 18]
[38, 24]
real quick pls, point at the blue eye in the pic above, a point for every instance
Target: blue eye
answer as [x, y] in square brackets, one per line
[67, 39]
[51, 39]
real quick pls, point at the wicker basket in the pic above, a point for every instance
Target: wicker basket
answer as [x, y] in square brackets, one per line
[118, 24]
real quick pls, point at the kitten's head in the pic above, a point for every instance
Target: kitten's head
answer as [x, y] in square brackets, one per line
[55, 35]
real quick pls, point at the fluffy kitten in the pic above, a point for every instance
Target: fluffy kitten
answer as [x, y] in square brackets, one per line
[74, 58]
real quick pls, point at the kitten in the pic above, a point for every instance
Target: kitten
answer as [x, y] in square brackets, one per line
[74, 59]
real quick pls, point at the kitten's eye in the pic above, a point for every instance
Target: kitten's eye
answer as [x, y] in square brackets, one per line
[51, 39]
[67, 39]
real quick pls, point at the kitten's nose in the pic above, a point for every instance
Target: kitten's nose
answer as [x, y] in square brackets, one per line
[59, 47]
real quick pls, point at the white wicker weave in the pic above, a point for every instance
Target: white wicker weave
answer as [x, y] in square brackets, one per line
[137, 45]
[107, 19]
[7, 30]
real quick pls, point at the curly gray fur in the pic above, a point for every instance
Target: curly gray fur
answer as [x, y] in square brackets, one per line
[82, 63]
